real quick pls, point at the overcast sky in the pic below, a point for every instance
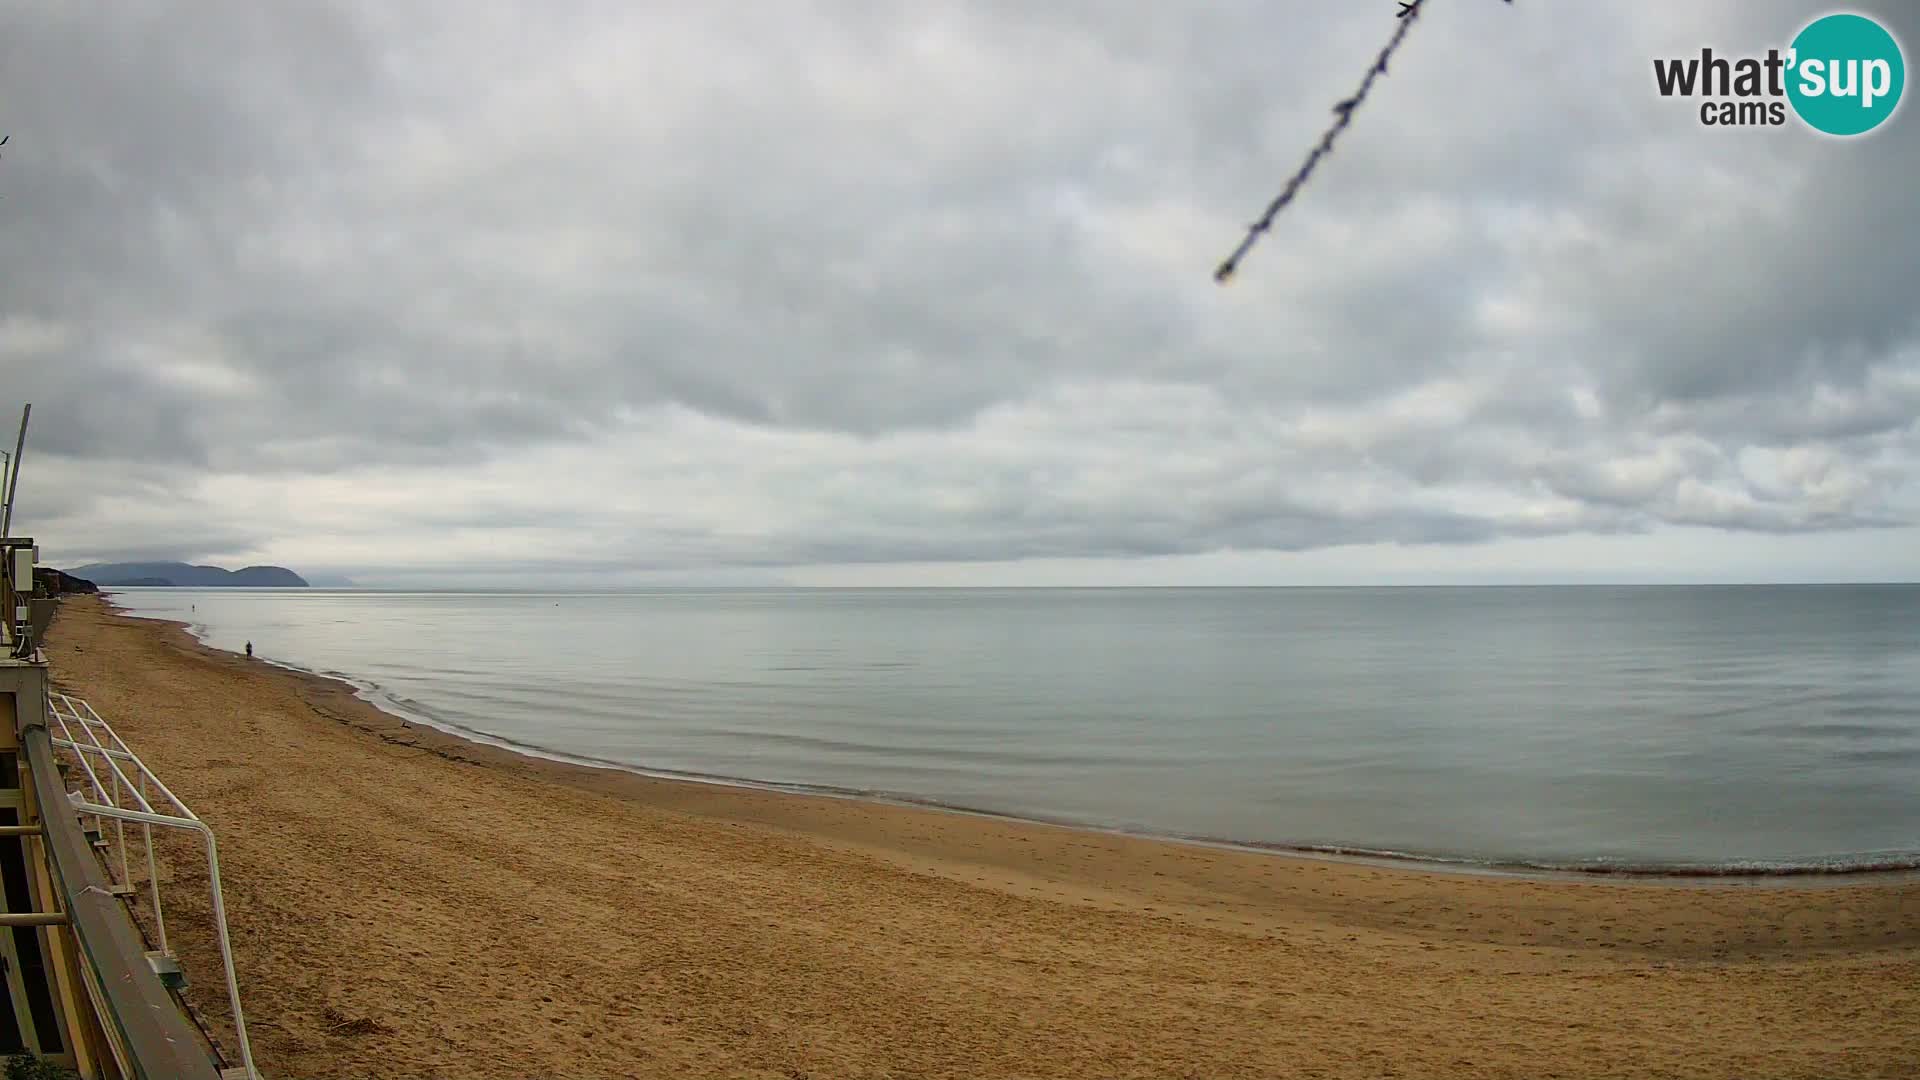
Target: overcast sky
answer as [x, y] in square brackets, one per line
[891, 293]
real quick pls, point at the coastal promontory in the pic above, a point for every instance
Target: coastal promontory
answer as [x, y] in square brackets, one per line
[185, 575]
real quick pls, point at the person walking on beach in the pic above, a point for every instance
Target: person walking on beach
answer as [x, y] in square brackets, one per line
[249, 650]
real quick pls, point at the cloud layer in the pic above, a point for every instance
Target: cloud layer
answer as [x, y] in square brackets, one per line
[657, 288]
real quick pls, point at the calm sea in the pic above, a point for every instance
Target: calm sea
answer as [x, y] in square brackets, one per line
[1659, 727]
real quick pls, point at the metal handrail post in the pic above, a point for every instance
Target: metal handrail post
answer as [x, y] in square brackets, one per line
[119, 827]
[153, 881]
[219, 907]
[114, 750]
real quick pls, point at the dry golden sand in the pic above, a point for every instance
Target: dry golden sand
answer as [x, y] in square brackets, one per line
[410, 905]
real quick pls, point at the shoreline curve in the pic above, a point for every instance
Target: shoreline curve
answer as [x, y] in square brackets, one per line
[1840, 870]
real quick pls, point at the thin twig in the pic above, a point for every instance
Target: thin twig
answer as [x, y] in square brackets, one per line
[1343, 115]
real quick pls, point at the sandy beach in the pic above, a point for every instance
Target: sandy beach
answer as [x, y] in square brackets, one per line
[408, 904]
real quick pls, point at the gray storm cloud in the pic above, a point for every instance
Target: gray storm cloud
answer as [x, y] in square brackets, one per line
[440, 288]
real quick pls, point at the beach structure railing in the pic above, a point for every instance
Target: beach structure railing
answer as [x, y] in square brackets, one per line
[81, 988]
[122, 797]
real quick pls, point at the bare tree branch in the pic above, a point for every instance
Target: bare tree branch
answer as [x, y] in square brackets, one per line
[1343, 115]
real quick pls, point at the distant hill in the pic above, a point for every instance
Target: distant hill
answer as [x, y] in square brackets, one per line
[181, 575]
[50, 582]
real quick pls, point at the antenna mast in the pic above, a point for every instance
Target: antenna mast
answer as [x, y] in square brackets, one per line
[13, 472]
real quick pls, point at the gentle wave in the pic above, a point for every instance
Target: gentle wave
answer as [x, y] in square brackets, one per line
[1835, 866]
[1598, 733]
[1865, 865]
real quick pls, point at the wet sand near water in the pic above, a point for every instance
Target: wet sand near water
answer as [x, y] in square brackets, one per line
[408, 904]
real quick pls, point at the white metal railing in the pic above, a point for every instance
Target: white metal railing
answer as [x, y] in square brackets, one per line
[107, 804]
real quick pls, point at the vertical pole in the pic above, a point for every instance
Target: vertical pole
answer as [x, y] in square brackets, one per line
[15, 981]
[13, 475]
[88, 1041]
[226, 951]
[153, 871]
[120, 836]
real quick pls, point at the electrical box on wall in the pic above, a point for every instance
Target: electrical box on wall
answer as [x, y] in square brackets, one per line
[17, 556]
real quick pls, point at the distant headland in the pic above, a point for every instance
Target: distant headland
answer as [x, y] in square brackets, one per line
[186, 576]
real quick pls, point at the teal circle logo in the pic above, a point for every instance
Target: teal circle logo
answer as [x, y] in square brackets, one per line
[1846, 74]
